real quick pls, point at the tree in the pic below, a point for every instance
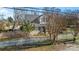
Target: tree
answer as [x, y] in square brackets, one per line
[1, 26]
[27, 27]
[9, 22]
[72, 23]
[10, 19]
[55, 24]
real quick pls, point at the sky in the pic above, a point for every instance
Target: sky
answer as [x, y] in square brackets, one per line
[6, 12]
[9, 12]
[72, 8]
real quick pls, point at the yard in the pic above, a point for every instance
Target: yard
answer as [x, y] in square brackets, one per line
[35, 28]
[40, 43]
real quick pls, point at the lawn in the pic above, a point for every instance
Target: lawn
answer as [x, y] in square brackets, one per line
[57, 47]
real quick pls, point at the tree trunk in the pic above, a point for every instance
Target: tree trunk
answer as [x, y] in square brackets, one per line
[28, 35]
[74, 39]
[54, 37]
[50, 37]
[13, 26]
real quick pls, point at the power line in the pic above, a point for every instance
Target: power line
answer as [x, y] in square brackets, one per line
[40, 10]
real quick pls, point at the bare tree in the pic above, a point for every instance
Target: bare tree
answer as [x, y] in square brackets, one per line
[72, 22]
[55, 24]
[19, 17]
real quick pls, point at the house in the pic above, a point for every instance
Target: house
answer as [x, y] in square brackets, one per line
[38, 20]
[40, 24]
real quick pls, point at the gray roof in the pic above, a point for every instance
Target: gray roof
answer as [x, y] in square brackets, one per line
[31, 17]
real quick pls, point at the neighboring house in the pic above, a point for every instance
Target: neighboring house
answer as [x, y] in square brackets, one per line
[38, 20]
[40, 23]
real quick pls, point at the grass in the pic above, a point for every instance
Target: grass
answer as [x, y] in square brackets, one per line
[40, 34]
[45, 45]
[27, 46]
[40, 48]
[20, 48]
[6, 39]
[61, 36]
[40, 45]
[56, 47]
